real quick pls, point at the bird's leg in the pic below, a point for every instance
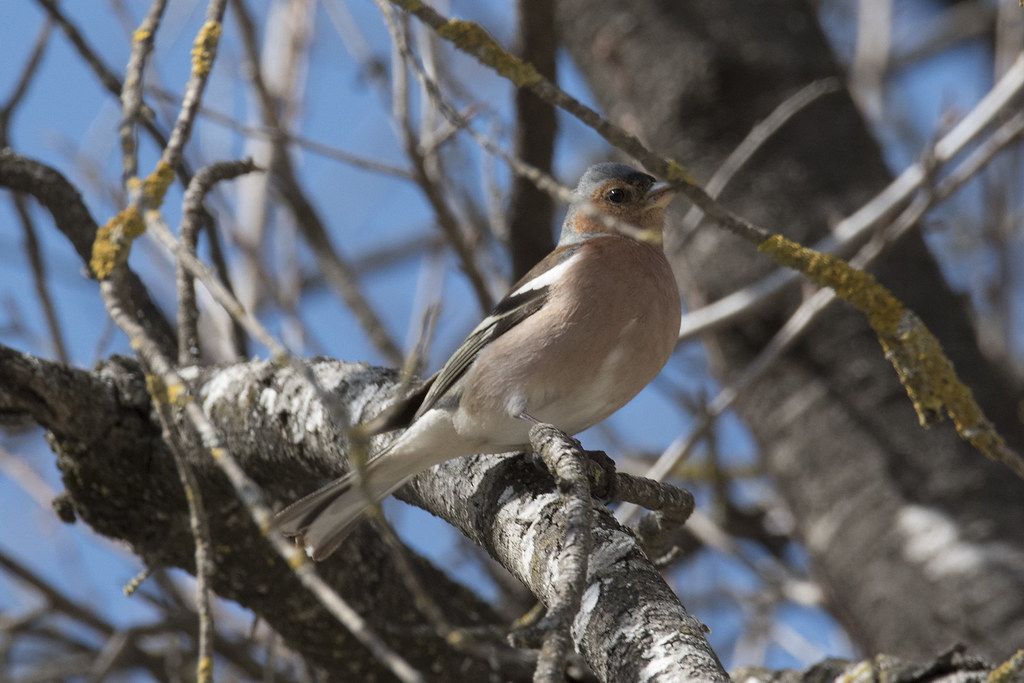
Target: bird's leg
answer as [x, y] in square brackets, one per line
[535, 459]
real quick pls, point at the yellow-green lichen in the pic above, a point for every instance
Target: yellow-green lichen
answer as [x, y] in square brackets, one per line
[859, 288]
[1010, 670]
[204, 669]
[174, 395]
[154, 187]
[472, 39]
[113, 241]
[297, 559]
[177, 395]
[917, 356]
[156, 388]
[205, 48]
[677, 173]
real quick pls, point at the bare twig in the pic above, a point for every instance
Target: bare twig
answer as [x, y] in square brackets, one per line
[802, 318]
[171, 388]
[188, 312]
[339, 273]
[24, 216]
[501, 659]
[670, 507]
[852, 230]
[204, 52]
[755, 139]
[871, 55]
[131, 92]
[72, 218]
[313, 146]
[24, 81]
[423, 174]
[200, 528]
[80, 613]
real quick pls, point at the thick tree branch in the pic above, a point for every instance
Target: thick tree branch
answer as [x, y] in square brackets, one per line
[113, 460]
[281, 432]
[629, 616]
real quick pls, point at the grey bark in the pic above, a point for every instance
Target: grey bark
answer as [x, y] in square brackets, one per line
[631, 626]
[916, 537]
[120, 479]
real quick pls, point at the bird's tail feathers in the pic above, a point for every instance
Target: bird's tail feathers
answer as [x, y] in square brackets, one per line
[322, 520]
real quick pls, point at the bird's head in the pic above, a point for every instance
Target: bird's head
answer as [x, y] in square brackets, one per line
[622, 192]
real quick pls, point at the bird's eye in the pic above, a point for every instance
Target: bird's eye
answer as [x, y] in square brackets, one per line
[616, 195]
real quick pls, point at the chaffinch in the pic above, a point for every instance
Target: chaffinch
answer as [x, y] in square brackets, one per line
[572, 342]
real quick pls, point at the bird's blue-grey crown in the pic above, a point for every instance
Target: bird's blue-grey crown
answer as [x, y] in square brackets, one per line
[602, 173]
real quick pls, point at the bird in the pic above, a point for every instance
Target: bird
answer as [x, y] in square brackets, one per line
[573, 340]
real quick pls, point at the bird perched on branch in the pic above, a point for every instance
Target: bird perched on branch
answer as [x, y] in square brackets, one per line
[572, 342]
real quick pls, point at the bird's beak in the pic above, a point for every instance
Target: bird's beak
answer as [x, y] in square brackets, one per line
[659, 195]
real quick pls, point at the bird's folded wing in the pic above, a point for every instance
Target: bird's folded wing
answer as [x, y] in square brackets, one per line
[526, 299]
[507, 314]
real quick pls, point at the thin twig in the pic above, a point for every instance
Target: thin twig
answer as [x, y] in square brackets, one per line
[197, 269]
[131, 91]
[755, 139]
[204, 52]
[810, 309]
[538, 177]
[462, 640]
[199, 525]
[851, 230]
[473, 40]
[24, 216]
[313, 146]
[339, 273]
[56, 600]
[110, 82]
[173, 389]
[39, 269]
[25, 80]
[425, 179]
[72, 218]
[188, 311]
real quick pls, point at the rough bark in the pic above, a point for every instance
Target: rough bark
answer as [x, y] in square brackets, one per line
[915, 536]
[631, 626]
[120, 479]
